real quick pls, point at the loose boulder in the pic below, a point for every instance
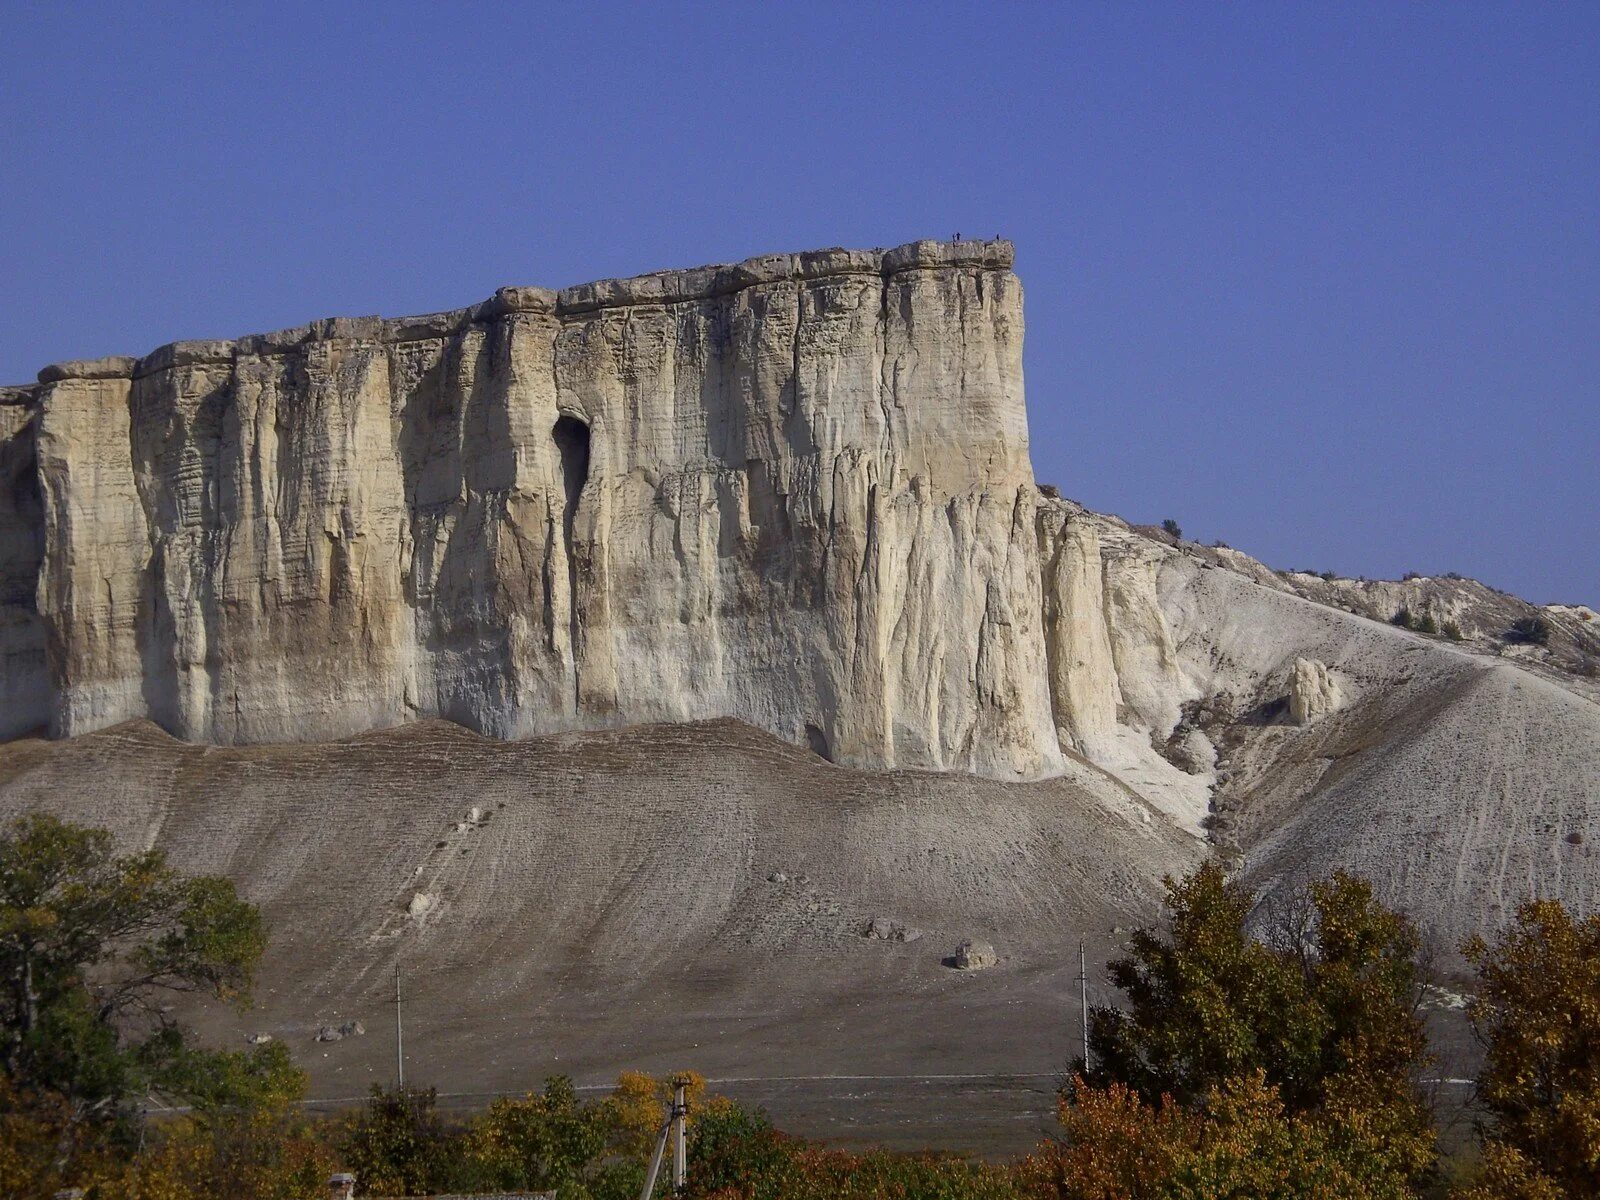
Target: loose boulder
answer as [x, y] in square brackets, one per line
[974, 956]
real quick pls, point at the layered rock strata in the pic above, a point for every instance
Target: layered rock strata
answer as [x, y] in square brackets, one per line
[794, 491]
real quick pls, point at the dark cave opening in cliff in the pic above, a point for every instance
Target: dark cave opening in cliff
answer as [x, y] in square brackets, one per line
[572, 440]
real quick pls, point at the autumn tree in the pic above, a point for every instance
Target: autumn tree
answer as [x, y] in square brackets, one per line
[1237, 1140]
[1331, 995]
[1537, 1014]
[1324, 1011]
[399, 1146]
[92, 946]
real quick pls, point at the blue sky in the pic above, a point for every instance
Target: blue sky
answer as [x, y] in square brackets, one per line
[1321, 281]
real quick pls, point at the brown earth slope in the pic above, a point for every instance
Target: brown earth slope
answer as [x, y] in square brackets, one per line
[663, 896]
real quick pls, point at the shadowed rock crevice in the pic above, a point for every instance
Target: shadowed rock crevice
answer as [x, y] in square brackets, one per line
[24, 678]
[572, 443]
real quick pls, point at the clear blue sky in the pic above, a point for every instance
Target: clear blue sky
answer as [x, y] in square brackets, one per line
[1319, 280]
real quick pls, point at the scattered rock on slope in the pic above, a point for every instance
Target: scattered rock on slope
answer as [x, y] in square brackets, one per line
[974, 956]
[882, 929]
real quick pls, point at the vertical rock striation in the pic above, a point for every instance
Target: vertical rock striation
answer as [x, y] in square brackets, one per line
[795, 491]
[1083, 671]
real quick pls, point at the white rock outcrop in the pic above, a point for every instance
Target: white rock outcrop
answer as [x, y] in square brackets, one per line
[1142, 646]
[795, 491]
[1313, 691]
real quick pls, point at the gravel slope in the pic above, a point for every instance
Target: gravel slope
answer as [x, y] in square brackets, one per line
[662, 896]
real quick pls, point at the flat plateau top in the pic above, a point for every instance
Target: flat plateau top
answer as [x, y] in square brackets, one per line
[655, 289]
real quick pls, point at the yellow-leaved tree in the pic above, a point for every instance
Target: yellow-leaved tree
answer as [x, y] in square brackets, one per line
[1537, 1013]
[1287, 1062]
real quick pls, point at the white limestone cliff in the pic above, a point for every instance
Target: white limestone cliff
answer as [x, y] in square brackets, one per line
[795, 491]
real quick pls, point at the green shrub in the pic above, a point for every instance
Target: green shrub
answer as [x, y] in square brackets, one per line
[1172, 527]
[732, 1146]
[1451, 630]
[736, 1154]
[398, 1146]
[1532, 631]
[549, 1141]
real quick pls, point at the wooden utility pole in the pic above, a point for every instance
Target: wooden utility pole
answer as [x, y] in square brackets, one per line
[1083, 1001]
[399, 1038]
[675, 1131]
[680, 1147]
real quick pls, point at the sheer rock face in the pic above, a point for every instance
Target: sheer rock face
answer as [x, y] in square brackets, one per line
[795, 491]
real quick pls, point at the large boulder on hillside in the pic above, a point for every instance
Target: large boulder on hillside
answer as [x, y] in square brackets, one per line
[1313, 691]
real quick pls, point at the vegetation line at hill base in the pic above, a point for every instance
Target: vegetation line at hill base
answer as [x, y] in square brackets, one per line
[1286, 1064]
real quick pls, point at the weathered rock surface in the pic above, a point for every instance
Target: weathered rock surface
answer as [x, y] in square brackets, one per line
[1083, 670]
[1460, 610]
[1313, 691]
[795, 490]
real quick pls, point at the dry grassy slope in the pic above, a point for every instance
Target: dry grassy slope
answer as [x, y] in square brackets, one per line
[1461, 784]
[614, 907]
